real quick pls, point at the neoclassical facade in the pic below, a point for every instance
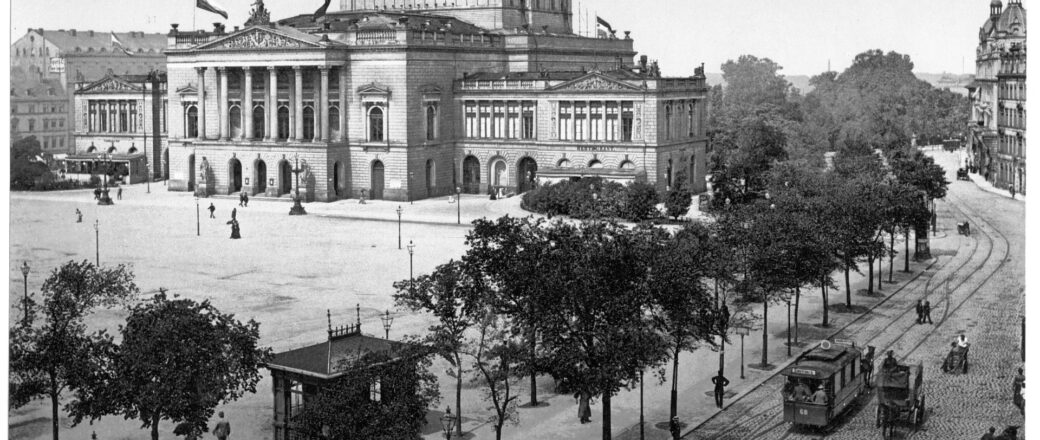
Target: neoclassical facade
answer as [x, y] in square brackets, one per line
[409, 102]
[998, 95]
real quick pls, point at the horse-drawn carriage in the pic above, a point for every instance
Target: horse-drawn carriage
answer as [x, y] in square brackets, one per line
[900, 396]
[822, 383]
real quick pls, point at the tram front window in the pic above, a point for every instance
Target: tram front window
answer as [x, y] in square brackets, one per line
[798, 389]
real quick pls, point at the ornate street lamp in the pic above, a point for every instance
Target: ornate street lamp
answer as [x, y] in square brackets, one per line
[458, 200]
[198, 229]
[25, 297]
[105, 199]
[97, 244]
[297, 208]
[742, 331]
[411, 253]
[447, 423]
[399, 211]
[387, 322]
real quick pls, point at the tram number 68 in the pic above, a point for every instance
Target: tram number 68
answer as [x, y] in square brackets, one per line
[803, 412]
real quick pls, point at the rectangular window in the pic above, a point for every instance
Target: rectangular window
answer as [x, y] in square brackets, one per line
[596, 121]
[485, 120]
[528, 120]
[471, 119]
[566, 123]
[500, 120]
[375, 391]
[626, 121]
[612, 122]
[580, 119]
[513, 118]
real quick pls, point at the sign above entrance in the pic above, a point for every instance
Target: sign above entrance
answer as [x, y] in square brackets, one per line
[595, 148]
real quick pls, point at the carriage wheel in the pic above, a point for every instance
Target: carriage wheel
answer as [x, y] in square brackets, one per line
[922, 411]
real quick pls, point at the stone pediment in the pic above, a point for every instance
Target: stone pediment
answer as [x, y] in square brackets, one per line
[189, 89]
[111, 85]
[258, 38]
[594, 82]
[373, 89]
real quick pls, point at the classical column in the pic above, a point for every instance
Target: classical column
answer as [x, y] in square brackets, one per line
[603, 121]
[247, 103]
[298, 103]
[324, 104]
[272, 104]
[342, 102]
[222, 106]
[202, 102]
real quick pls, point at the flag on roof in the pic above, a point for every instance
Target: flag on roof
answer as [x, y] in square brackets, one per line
[603, 29]
[211, 6]
[118, 44]
[322, 10]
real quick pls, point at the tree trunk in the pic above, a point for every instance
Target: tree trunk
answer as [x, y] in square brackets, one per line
[155, 427]
[848, 288]
[765, 332]
[54, 409]
[880, 268]
[498, 431]
[891, 253]
[906, 253]
[534, 374]
[458, 395]
[870, 276]
[674, 408]
[606, 416]
[797, 299]
[823, 291]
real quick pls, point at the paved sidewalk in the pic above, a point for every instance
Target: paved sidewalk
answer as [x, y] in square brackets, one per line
[983, 184]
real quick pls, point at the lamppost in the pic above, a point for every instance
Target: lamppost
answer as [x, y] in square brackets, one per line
[458, 200]
[387, 322]
[297, 208]
[198, 229]
[641, 421]
[105, 199]
[742, 331]
[447, 422]
[97, 244]
[411, 253]
[25, 297]
[399, 211]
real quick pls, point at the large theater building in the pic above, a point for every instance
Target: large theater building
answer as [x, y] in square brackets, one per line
[400, 100]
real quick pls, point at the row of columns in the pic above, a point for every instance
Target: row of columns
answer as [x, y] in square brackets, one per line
[271, 132]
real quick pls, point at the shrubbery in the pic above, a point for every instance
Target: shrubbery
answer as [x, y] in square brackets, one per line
[593, 197]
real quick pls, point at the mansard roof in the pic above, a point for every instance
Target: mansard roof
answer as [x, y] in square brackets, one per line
[90, 41]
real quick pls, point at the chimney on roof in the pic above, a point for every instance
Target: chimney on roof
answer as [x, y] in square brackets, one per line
[91, 33]
[72, 32]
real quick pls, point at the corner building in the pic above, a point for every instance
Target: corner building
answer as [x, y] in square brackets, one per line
[401, 100]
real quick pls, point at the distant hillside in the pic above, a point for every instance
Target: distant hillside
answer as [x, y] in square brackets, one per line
[956, 83]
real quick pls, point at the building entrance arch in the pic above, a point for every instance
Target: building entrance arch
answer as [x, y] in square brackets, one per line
[526, 172]
[234, 176]
[471, 175]
[259, 176]
[284, 177]
[377, 180]
[191, 172]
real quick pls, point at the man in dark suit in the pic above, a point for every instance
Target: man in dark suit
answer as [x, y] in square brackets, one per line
[223, 428]
[720, 382]
[926, 311]
[920, 312]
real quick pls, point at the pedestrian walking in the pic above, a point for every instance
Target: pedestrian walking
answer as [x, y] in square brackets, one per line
[223, 428]
[673, 428]
[927, 312]
[1012, 189]
[584, 408]
[234, 213]
[721, 383]
[211, 209]
[119, 193]
[245, 200]
[97, 193]
[920, 311]
[79, 216]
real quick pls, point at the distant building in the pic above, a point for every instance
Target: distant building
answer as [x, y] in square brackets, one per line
[39, 108]
[998, 98]
[64, 58]
[123, 115]
[409, 100]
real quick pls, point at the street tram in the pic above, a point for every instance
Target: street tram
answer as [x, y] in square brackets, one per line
[822, 383]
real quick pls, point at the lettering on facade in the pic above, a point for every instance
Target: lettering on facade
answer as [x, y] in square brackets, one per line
[258, 39]
[605, 148]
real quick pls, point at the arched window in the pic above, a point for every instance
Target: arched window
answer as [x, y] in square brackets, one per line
[595, 164]
[132, 150]
[235, 122]
[191, 125]
[308, 123]
[431, 123]
[563, 163]
[32, 125]
[111, 150]
[334, 122]
[627, 165]
[431, 174]
[283, 123]
[92, 149]
[375, 124]
[258, 122]
[667, 122]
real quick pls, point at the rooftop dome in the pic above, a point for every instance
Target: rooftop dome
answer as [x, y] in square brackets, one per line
[1013, 20]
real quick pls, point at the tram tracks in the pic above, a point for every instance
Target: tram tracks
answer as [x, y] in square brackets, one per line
[762, 421]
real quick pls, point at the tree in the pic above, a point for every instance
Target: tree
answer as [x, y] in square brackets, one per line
[178, 360]
[677, 201]
[497, 356]
[641, 202]
[597, 335]
[25, 168]
[349, 410]
[453, 294]
[682, 308]
[40, 354]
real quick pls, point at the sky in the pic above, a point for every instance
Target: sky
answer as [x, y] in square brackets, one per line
[801, 35]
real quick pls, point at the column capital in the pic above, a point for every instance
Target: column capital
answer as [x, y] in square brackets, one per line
[324, 69]
[272, 68]
[297, 69]
[221, 69]
[200, 69]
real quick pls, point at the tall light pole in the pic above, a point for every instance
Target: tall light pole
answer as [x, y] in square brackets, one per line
[742, 331]
[97, 244]
[411, 253]
[458, 200]
[447, 422]
[399, 211]
[25, 297]
[641, 421]
[387, 322]
[198, 229]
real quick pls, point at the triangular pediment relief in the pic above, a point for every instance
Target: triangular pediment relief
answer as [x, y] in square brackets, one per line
[189, 89]
[373, 89]
[111, 84]
[258, 38]
[594, 82]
